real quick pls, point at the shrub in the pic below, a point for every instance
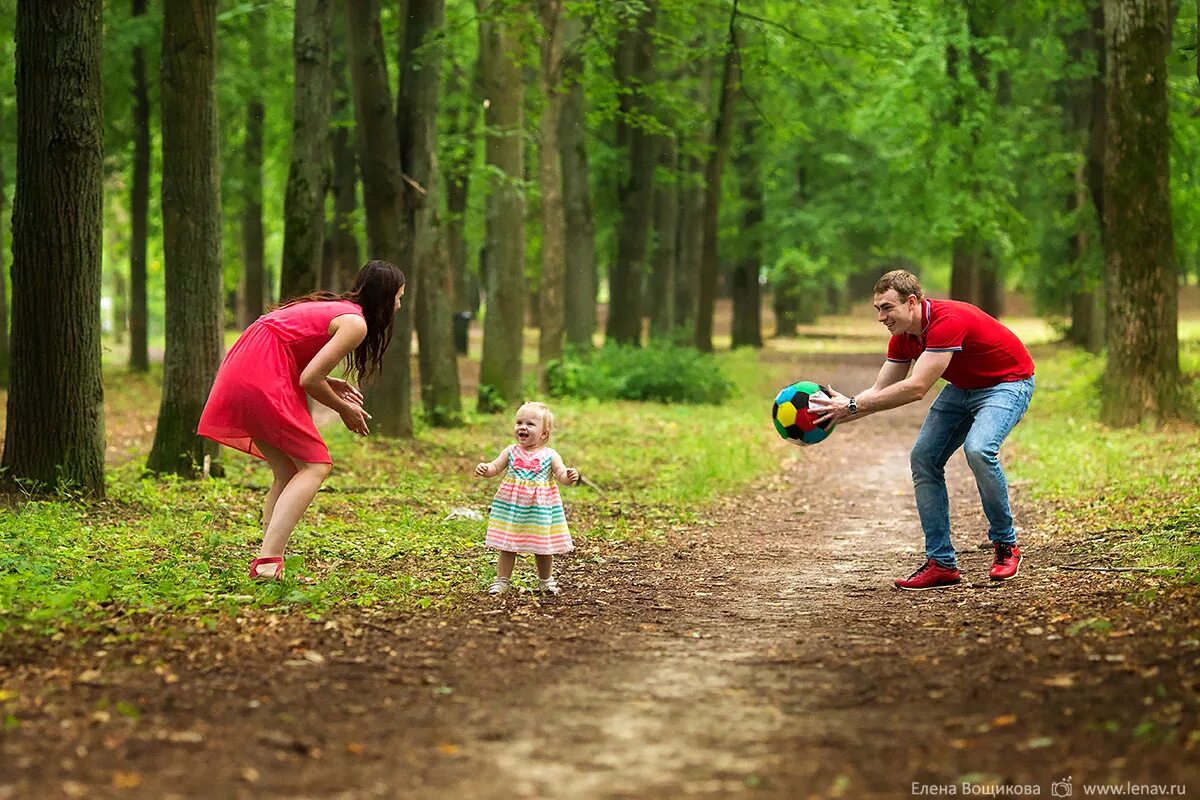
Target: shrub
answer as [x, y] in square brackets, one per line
[663, 373]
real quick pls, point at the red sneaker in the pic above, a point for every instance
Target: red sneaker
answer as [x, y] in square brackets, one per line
[1007, 563]
[931, 575]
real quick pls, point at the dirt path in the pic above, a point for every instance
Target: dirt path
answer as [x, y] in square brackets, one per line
[763, 654]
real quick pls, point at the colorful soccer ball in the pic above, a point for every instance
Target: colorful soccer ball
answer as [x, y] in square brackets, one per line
[792, 418]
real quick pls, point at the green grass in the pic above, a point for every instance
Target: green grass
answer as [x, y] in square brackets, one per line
[377, 533]
[1138, 486]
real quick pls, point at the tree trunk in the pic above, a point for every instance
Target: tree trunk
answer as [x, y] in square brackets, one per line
[55, 422]
[964, 270]
[343, 242]
[550, 180]
[634, 66]
[713, 171]
[747, 294]
[253, 301]
[661, 296]
[120, 305]
[304, 205]
[139, 206]
[504, 243]
[390, 398]
[580, 279]
[420, 82]
[191, 208]
[4, 352]
[1142, 374]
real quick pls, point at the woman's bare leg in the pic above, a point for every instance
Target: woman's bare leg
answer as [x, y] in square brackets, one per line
[290, 502]
[283, 468]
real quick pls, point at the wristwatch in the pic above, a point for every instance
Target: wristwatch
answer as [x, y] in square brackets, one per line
[853, 407]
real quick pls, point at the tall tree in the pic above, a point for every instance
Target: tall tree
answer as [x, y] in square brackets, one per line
[139, 208]
[55, 422]
[460, 134]
[634, 65]
[191, 207]
[747, 294]
[550, 179]
[504, 238]
[342, 241]
[420, 83]
[4, 353]
[1142, 372]
[390, 398]
[713, 171]
[253, 245]
[304, 206]
[579, 282]
[661, 294]
[1084, 101]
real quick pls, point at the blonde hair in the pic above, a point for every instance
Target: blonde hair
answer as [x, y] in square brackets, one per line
[543, 413]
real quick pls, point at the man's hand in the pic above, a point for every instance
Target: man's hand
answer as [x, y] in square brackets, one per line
[345, 391]
[835, 409]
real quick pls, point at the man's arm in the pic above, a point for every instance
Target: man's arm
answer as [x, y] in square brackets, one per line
[891, 390]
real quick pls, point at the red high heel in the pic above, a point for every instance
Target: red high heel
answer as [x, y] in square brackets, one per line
[266, 576]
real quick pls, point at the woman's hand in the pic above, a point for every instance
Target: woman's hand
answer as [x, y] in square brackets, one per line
[345, 391]
[481, 470]
[355, 418]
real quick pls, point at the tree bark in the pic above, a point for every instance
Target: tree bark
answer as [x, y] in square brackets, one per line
[139, 209]
[504, 243]
[390, 398]
[661, 296]
[465, 296]
[747, 294]
[55, 422]
[304, 205]
[343, 242]
[420, 83]
[4, 351]
[191, 208]
[634, 66]
[579, 284]
[253, 300]
[713, 172]
[1142, 374]
[550, 180]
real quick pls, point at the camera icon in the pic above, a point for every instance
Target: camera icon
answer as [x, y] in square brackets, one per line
[1062, 788]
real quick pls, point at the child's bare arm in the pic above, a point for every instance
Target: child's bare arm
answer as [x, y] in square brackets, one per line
[568, 475]
[490, 469]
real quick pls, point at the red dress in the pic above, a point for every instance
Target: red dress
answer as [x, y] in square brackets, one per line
[257, 394]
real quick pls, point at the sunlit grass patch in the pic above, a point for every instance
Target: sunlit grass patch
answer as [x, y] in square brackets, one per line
[378, 533]
[1141, 481]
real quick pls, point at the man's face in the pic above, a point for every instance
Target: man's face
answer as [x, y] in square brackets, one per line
[898, 315]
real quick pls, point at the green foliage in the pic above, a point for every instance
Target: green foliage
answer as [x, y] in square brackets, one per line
[661, 372]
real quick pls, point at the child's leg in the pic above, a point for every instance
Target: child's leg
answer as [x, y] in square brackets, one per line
[292, 500]
[545, 565]
[504, 564]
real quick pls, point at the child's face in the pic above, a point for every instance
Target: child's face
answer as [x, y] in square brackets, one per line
[530, 429]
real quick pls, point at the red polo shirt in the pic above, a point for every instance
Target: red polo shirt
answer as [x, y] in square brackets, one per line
[985, 352]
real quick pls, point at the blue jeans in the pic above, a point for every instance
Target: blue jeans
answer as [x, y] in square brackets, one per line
[978, 420]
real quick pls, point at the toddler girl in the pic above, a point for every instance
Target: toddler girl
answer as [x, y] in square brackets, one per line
[527, 512]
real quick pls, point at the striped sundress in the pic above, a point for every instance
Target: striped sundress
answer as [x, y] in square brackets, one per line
[527, 512]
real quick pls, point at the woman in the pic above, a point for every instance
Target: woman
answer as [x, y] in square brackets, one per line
[258, 401]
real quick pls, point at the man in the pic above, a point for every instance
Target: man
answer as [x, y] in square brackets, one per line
[990, 377]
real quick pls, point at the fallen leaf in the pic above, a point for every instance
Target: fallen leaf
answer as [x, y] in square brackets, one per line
[1061, 681]
[448, 749]
[126, 780]
[1004, 720]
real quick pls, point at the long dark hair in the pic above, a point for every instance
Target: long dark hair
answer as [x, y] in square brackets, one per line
[374, 290]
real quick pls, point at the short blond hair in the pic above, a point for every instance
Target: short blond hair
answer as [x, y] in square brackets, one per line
[544, 414]
[903, 281]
